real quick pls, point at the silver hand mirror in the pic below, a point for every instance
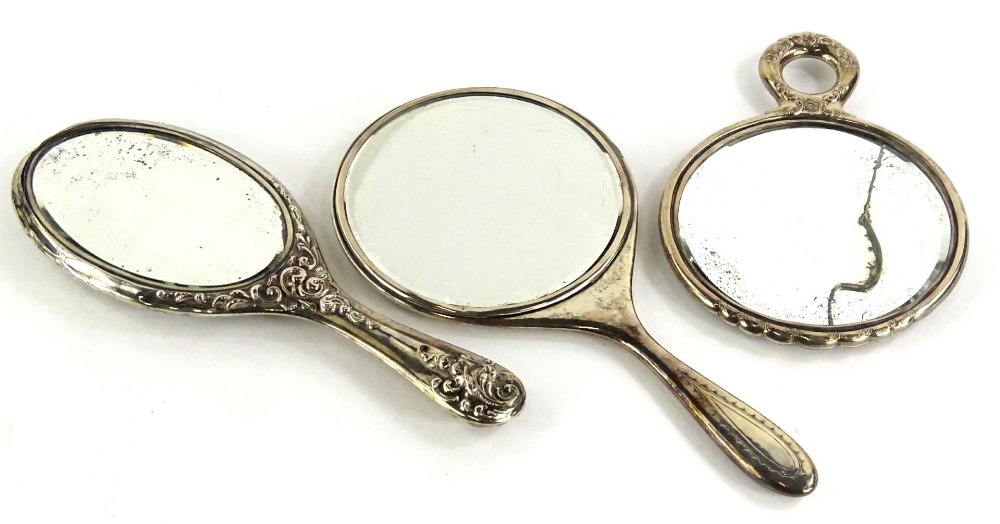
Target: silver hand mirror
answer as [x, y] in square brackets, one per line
[172, 220]
[808, 225]
[496, 206]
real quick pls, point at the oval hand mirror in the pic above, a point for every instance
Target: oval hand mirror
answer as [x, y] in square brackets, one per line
[807, 225]
[496, 206]
[173, 220]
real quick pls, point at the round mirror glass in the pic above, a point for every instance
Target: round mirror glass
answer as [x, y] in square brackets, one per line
[482, 201]
[158, 207]
[814, 225]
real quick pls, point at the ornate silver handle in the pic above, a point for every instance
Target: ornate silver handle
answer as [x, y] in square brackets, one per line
[821, 47]
[472, 387]
[754, 443]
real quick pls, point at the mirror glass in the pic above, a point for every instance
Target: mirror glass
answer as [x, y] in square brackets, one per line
[814, 225]
[159, 207]
[482, 200]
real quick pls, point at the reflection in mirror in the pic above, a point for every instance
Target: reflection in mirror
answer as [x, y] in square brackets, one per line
[159, 208]
[483, 201]
[814, 225]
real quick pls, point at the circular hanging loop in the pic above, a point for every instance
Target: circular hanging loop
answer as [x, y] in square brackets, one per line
[809, 45]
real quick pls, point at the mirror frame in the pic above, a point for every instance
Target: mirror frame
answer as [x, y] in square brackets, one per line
[124, 284]
[811, 110]
[404, 295]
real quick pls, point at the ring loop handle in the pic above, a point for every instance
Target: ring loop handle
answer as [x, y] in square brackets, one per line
[809, 45]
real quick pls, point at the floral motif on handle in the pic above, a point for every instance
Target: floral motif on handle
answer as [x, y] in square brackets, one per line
[476, 386]
[827, 103]
[485, 391]
[301, 283]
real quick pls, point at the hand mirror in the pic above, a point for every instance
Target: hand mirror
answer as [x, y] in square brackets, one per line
[172, 220]
[808, 225]
[496, 206]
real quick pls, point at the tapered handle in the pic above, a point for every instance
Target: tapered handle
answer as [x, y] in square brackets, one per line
[754, 443]
[472, 387]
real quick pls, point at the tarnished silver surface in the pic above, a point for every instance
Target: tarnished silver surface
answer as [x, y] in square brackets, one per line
[295, 282]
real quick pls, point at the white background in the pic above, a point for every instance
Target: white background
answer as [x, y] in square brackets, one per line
[112, 413]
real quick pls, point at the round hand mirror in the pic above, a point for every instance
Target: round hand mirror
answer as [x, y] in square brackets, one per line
[172, 220]
[808, 225]
[497, 206]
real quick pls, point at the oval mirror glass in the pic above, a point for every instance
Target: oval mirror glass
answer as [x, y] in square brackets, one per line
[814, 225]
[159, 208]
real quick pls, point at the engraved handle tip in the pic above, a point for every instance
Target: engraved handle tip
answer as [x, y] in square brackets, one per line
[470, 386]
[753, 442]
[798, 486]
[474, 388]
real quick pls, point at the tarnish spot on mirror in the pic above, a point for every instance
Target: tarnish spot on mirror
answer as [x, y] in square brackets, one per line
[159, 208]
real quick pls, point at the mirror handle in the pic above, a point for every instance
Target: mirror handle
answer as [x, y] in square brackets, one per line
[809, 45]
[472, 387]
[758, 446]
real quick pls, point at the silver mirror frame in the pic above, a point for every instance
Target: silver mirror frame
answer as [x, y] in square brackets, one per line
[823, 110]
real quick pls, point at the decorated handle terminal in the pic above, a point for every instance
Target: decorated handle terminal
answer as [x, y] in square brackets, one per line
[472, 387]
[758, 446]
